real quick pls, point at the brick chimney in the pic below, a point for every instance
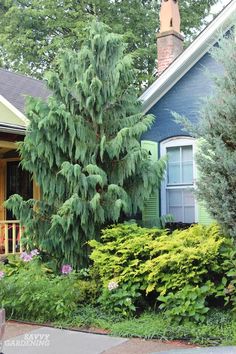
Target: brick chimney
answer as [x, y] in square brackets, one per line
[169, 39]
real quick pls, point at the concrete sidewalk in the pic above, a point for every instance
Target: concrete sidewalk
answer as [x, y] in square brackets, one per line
[29, 339]
[216, 350]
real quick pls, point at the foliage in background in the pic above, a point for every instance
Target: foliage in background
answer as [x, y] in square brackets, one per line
[32, 32]
[83, 149]
[184, 271]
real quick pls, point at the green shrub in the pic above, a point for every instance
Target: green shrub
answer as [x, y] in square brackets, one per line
[120, 299]
[230, 266]
[188, 303]
[163, 264]
[31, 293]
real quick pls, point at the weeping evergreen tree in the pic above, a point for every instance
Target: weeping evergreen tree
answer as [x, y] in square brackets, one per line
[83, 149]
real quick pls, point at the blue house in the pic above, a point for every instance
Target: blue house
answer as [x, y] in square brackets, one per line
[181, 85]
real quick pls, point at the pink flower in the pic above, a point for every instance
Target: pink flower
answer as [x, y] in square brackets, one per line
[23, 254]
[34, 252]
[66, 269]
[27, 257]
[1, 274]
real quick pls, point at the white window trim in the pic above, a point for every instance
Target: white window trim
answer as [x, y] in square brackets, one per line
[176, 142]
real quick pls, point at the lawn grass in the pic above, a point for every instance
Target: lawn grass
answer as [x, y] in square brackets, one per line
[218, 329]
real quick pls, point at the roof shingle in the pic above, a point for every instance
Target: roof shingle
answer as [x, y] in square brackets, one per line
[15, 87]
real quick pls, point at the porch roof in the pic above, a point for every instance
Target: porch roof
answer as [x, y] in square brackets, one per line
[14, 88]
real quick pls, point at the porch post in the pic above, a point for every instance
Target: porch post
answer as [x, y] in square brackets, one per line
[2, 188]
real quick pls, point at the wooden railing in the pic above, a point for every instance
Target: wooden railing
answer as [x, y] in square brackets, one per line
[10, 235]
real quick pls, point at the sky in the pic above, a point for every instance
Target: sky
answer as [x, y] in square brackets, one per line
[217, 7]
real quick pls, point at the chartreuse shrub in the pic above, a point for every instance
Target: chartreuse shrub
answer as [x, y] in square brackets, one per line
[185, 272]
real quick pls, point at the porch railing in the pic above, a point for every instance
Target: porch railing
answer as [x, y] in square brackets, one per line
[10, 236]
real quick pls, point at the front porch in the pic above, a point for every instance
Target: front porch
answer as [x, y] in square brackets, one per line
[10, 230]
[10, 236]
[13, 180]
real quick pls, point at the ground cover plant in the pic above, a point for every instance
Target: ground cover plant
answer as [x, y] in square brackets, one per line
[219, 327]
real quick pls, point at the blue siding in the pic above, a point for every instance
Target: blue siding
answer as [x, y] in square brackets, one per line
[184, 98]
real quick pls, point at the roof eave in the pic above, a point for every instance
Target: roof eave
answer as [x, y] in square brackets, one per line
[12, 129]
[188, 58]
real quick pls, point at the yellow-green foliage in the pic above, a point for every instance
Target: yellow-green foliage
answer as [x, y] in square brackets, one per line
[159, 261]
[123, 251]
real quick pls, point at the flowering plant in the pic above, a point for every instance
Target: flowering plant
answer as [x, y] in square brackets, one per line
[27, 257]
[66, 269]
[112, 285]
[120, 298]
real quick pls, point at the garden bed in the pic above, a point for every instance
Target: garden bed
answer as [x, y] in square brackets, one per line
[143, 283]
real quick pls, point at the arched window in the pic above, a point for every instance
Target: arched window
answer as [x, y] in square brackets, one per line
[177, 196]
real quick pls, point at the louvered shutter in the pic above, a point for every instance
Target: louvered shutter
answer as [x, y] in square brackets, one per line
[204, 217]
[151, 210]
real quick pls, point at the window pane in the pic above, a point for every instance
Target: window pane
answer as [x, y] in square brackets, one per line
[187, 172]
[173, 173]
[187, 153]
[189, 214]
[177, 213]
[173, 154]
[175, 197]
[181, 204]
[188, 197]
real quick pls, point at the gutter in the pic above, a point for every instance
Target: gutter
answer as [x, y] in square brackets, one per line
[12, 129]
[188, 58]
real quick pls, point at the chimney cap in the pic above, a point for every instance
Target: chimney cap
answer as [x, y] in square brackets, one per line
[169, 16]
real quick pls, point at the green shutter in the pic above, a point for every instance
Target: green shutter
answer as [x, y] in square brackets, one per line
[151, 212]
[203, 216]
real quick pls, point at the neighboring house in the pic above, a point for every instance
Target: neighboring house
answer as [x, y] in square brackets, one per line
[180, 87]
[13, 90]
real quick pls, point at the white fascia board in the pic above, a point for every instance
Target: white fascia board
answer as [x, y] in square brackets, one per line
[15, 111]
[12, 129]
[188, 58]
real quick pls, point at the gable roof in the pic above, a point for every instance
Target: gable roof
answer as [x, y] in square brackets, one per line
[14, 88]
[189, 57]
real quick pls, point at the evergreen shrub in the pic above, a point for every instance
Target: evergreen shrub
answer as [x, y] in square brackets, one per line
[216, 131]
[185, 271]
[83, 148]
